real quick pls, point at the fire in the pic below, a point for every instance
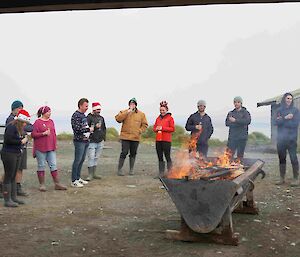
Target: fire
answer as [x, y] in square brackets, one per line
[181, 168]
[194, 166]
[225, 159]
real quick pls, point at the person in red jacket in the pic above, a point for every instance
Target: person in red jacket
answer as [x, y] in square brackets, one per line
[164, 127]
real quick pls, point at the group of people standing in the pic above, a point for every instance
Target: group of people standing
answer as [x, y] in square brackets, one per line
[90, 133]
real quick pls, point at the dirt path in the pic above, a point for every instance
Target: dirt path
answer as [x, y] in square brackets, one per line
[127, 216]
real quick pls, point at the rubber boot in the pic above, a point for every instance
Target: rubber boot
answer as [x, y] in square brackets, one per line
[295, 181]
[161, 169]
[131, 165]
[20, 191]
[7, 196]
[41, 177]
[14, 194]
[169, 166]
[282, 170]
[120, 166]
[90, 176]
[95, 176]
[57, 186]
[1, 190]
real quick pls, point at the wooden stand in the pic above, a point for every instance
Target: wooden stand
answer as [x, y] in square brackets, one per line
[221, 235]
[248, 206]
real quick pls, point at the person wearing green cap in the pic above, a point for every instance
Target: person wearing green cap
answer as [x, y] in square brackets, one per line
[238, 121]
[134, 123]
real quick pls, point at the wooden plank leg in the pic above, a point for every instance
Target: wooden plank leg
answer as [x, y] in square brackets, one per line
[248, 206]
[225, 236]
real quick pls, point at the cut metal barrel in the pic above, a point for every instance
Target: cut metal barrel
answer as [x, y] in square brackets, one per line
[203, 204]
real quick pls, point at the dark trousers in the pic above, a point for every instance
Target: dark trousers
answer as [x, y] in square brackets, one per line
[79, 157]
[238, 145]
[11, 163]
[202, 148]
[163, 148]
[288, 146]
[129, 146]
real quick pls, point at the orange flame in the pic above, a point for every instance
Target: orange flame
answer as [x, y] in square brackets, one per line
[190, 163]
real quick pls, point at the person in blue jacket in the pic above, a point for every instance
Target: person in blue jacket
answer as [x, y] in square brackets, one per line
[287, 121]
[200, 126]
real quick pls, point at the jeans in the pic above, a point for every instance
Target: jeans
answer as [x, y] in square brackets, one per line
[238, 145]
[49, 157]
[11, 162]
[94, 152]
[128, 145]
[79, 157]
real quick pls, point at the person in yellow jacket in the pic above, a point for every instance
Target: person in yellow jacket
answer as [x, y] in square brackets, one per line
[134, 122]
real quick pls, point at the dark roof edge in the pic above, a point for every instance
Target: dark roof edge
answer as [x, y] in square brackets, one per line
[19, 6]
[266, 103]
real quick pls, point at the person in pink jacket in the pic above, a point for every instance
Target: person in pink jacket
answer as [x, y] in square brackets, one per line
[44, 147]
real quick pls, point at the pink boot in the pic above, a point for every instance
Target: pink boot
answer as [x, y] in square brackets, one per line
[41, 177]
[58, 186]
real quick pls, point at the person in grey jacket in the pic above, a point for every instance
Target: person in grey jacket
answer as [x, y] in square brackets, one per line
[238, 121]
[97, 139]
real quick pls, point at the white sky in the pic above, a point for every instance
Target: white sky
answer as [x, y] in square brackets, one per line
[179, 54]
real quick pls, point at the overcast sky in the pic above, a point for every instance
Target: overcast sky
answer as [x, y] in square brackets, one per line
[178, 54]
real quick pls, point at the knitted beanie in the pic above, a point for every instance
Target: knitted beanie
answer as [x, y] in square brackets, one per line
[16, 104]
[201, 102]
[238, 99]
[132, 100]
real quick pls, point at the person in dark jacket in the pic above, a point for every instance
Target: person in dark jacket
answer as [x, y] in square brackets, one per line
[164, 127]
[16, 106]
[287, 121]
[200, 125]
[238, 121]
[81, 131]
[97, 139]
[11, 156]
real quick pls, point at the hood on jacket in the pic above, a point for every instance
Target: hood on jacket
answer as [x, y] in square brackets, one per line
[282, 104]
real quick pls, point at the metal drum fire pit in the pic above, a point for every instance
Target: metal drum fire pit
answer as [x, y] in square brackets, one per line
[206, 205]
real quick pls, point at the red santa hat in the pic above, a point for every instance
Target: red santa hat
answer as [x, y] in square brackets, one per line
[23, 116]
[96, 106]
